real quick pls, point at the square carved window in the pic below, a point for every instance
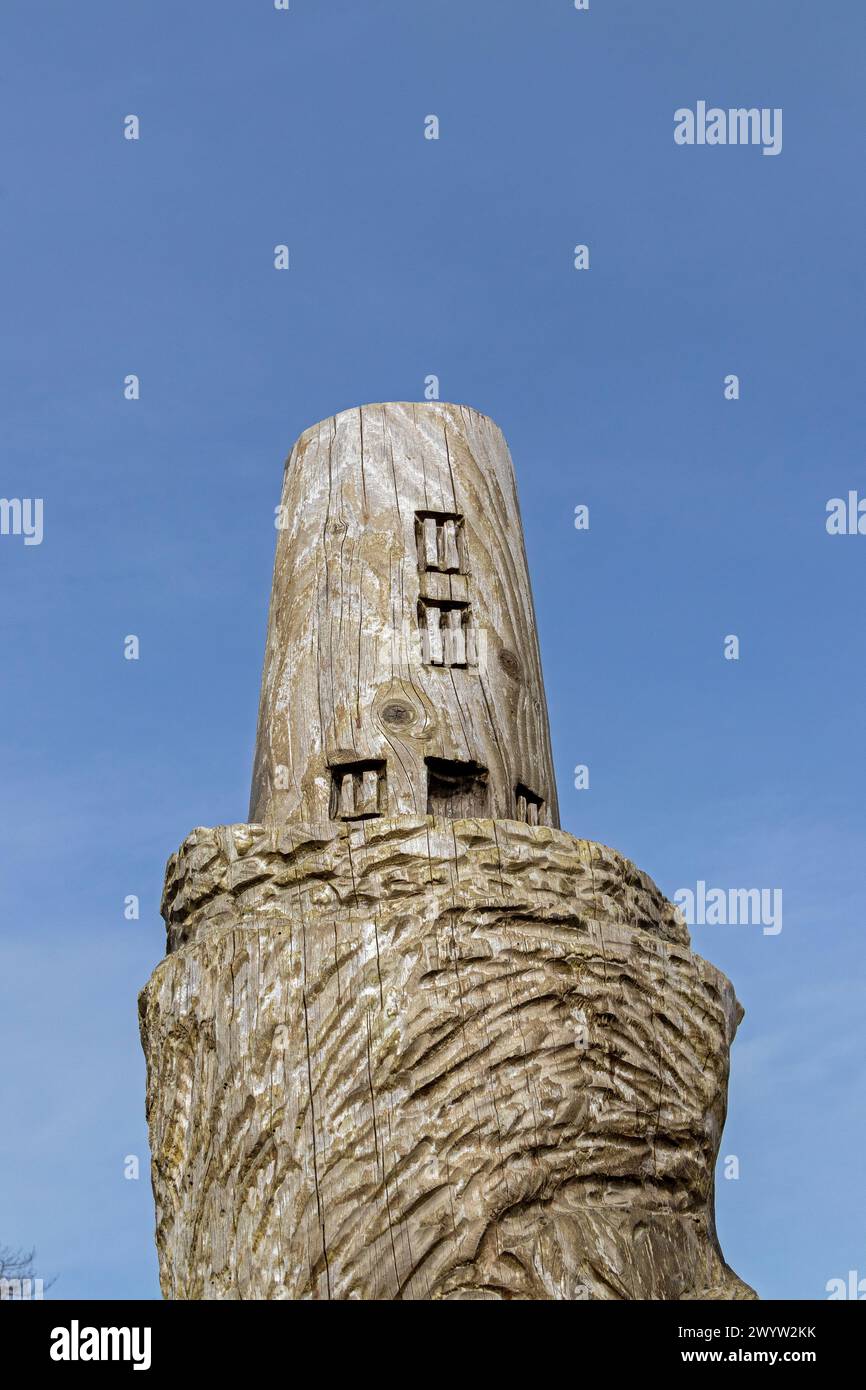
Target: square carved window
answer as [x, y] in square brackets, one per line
[530, 807]
[439, 537]
[456, 790]
[359, 790]
[448, 636]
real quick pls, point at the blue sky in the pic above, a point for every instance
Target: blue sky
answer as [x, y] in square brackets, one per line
[454, 257]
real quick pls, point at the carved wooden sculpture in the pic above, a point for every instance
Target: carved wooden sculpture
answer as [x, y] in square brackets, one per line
[411, 1040]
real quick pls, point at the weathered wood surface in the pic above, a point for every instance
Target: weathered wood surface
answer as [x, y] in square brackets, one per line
[411, 1040]
[431, 1059]
[401, 622]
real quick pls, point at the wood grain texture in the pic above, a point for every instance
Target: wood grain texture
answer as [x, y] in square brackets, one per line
[410, 1039]
[401, 622]
[431, 1059]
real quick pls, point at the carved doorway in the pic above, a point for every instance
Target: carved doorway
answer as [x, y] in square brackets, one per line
[456, 790]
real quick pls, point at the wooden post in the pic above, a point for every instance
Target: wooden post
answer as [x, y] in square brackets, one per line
[410, 1039]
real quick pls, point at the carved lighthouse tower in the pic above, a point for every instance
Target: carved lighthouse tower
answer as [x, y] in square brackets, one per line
[410, 1039]
[402, 673]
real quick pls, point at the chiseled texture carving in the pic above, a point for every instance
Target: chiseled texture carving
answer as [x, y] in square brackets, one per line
[410, 1039]
[431, 1059]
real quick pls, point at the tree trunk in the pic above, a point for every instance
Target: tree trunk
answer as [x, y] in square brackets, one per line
[410, 1039]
